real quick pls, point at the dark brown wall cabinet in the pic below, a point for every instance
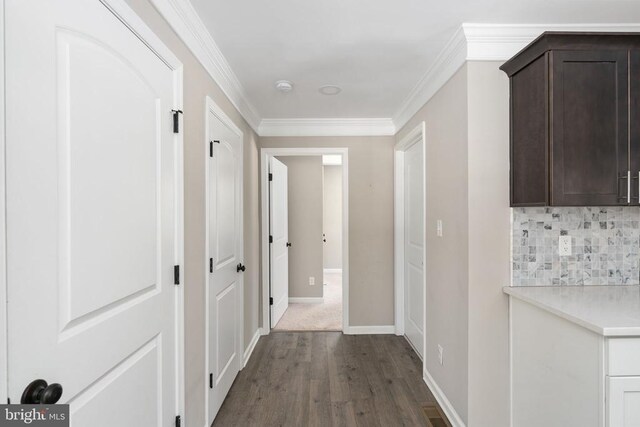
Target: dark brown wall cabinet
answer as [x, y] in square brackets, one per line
[575, 120]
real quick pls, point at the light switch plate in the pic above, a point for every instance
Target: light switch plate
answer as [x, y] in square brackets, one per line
[312, 281]
[439, 228]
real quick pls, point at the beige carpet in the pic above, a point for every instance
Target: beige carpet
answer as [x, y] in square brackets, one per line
[317, 317]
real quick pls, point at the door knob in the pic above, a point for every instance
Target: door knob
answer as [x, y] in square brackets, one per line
[240, 268]
[288, 244]
[38, 392]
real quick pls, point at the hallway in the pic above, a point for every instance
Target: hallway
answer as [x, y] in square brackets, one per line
[325, 379]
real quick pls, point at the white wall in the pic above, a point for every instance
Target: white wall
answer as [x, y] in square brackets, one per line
[332, 220]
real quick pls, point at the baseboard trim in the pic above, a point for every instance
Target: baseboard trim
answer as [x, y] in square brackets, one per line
[306, 300]
[370, 330]
[444, 403]
[332, 270]
[252, 345]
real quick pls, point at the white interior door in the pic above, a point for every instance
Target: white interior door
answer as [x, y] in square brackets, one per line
[414, 247]
[225, 262]
[92, 206]
[279, 226]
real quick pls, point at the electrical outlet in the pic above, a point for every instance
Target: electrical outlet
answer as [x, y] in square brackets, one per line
[312, 281]
[439, 228]
[440, 354]
[564, 245]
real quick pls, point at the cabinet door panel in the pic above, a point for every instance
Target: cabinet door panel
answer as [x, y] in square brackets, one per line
[589, 134]
[623, 401]
[634, 124]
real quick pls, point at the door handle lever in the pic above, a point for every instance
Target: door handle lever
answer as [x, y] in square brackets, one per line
[240, 268]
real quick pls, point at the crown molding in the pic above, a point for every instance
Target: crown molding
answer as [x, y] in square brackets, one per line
[327, 127]
[471, 42]
[483, 42]
[184, 20]
[499, 42]
[447, 63]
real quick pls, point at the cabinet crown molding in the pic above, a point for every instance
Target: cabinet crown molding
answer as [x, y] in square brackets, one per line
[570, 40]
[484, 42]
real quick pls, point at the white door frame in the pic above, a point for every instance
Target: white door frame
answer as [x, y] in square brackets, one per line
[135, 24]
[213, 108]
[4, 350]
[415, 136]
[265, 155]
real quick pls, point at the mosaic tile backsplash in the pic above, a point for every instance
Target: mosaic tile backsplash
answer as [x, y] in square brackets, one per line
[605, 246]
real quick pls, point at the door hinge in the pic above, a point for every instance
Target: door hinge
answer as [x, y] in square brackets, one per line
[178, 421]
[176, 274]
[270, 177]
[270, 239]
[215, 141]
[176, 120]
[270, 300]
[210, 265]
[210, 380]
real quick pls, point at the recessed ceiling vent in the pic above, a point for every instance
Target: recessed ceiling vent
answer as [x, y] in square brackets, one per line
[330, 90]
[284, 86]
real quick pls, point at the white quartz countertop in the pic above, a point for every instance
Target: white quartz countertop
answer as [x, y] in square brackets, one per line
[606, 310]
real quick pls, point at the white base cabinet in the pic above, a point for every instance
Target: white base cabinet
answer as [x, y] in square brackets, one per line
[623, 401]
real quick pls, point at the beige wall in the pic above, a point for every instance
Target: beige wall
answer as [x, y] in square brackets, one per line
[447, 273]
[304, 175]
[197, 85]
[332, 217]
[370, 222]
[467, 157]
[489, 244]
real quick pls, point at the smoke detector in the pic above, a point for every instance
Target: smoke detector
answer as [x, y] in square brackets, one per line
[284, 86]
[330, 90]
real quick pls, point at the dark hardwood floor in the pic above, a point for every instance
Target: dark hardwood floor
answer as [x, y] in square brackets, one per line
[328, 379]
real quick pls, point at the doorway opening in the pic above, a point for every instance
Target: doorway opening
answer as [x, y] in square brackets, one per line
[305, 239]
[314, 247]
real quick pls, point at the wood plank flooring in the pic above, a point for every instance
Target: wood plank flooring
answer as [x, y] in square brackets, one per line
[328, 379]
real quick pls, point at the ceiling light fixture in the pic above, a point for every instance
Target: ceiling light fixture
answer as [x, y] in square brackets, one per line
[284, 86]
[330, 90]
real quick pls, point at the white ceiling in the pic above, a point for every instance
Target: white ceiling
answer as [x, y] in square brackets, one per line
[375, 50]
